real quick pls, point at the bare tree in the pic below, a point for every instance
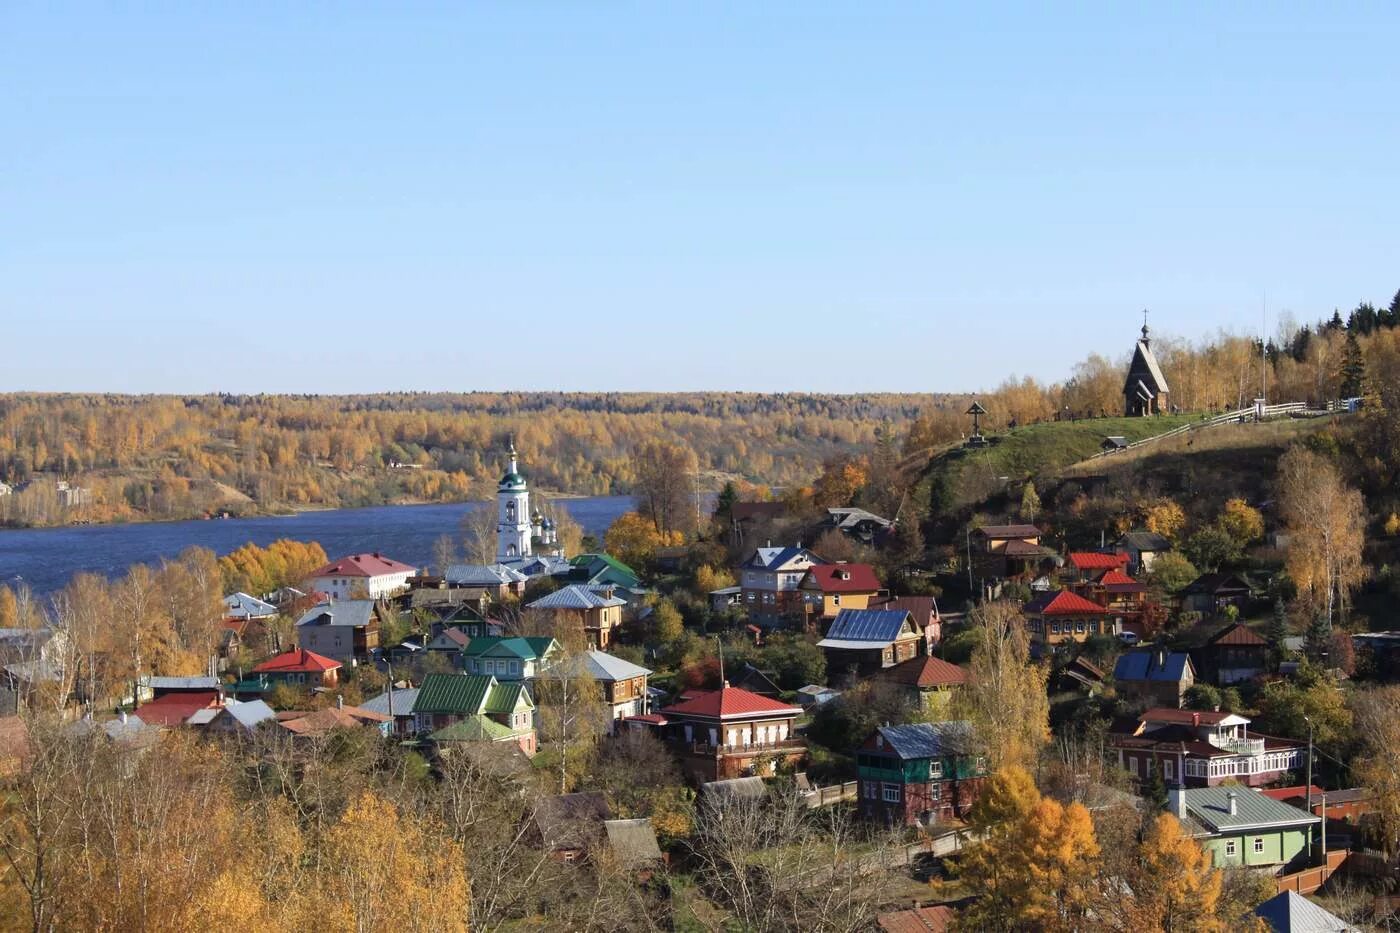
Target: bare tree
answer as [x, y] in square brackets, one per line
[478, 527]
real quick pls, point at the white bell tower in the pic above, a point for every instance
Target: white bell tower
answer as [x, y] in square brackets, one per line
[512, 514]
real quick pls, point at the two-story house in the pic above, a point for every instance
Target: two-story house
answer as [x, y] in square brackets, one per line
[1235, 653]
[927, 682]
[919, 773]
[1240, 827]
[1210, 593]
[598, 611]
[1058, 617]
[513, 658]
[869, 640]
[345, 629]
[771, 580]
[299, 668]
[1154, 675]
[372, 575]
[829, 588]
[495, 581]
[1001, 552]
[1087, 566]
[1202, 749]
[1142, 548]
[623, 684]
[729, 733]
[469, 707]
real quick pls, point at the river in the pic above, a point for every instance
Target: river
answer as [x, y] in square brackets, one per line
[45, 558]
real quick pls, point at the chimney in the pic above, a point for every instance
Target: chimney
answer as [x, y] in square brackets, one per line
[1196, 720]
[1234, 803]
[1176, 802]
[339, 701]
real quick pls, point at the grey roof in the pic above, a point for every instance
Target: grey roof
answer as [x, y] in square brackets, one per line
[483, 575]
[242, 606]
[633, 842]
[771, 558]
[603, 666]
[751, 788]
[575, 597]
[183, 683]
[355, 613]
[928, 739]
[866, 627]
[1145, 541]
[250, 713]
[1290, 912]
[851, 517]
[404, 699]
[1142, 665]
[1210, 807]
[539, 565]
[202, 717]
[1144, 354]
[35, 671]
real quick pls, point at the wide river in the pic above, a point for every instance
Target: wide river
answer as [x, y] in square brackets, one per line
[45, 558]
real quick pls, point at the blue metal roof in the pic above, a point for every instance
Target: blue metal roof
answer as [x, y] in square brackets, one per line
[880, 626]
[928, 739]
[1142, 665]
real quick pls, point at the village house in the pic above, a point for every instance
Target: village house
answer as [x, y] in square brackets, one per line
[729, 732]
[1142, 548]
[754, 680]
[597, 570]
[1240, 827]
[1004, 552]
[1088, 566]
[869, 640]
[178, 699]
[771, 578]
[496, 581]
[748, 520]
[1202, 749]
[359, 575]
[859, 524]
[1234, 654]
[920, 773]
[1059, 617]
[598, 611]
[344, 629]
[927, 682]
[571, 826]
[450, 642]
[623, 684]
[1210, 593]
[307, 724]
[513, 658]
[233, 718]
[300, 668]
[829, 588]
[445, 700]
[1154, 676]
[924, 610]
[397, 704]
[242, 606]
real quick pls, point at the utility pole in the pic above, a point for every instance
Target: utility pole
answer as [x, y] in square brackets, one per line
[1309, 785]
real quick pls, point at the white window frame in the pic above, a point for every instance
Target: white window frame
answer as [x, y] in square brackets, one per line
[890, 793]
[1258, 845]
[935, 768]
[1229, 848]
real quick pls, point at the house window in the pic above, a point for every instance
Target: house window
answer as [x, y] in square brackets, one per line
[935, 769]
[836, 599]
[981, 764]
[935, 791]
[1169, 769]
[1229, 848]
[891, 793]
[515, 667]
[1258, 845]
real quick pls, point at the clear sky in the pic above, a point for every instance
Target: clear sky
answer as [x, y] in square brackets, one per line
[339, 197]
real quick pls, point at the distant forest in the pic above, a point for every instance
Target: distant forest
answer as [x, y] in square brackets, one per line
[157, 457]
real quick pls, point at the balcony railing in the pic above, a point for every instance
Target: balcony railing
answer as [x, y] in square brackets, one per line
[752, 748]
[1229, 743]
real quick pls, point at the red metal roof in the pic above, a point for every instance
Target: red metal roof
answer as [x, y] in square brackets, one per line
[1287, 793]
[728, 701]
[1116, 578]
[1184, 716]
[935, 919]
[1063, 603]
[362, 565]
[1093, 560]
[926, 672]
[298, 660]
[828, 578]
[174, 708]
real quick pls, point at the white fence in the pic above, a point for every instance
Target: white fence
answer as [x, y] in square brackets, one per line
[1240, 416]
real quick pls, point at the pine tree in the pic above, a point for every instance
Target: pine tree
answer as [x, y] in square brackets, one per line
[1319, 637]
[1278, 628]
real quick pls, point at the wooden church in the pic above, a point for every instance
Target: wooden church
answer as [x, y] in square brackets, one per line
[1145, 392]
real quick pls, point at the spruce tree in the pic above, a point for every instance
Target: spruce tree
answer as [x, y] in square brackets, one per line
[1319, 637]
[1277, 631]
[1353, 370]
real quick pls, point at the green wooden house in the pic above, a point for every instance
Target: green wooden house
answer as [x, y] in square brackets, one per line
[509, 659]
[447, 700]
[1239, 826]
[919, 773]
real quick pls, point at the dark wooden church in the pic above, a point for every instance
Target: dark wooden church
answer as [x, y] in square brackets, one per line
[1145, 392]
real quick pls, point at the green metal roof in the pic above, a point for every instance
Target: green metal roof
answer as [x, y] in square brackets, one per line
[474, 729]
[462, 694]
[586, 560]
[507, 697]
[542, 645]
[1210, 806]
[513, 646]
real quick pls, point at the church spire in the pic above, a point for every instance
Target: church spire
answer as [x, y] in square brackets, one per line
[514, 467]
[1145, 341]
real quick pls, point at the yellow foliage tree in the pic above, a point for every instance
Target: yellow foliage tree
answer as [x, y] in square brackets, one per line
[1006, 698]
[1164, 518]
[633, 539]
[1175, 887]
[1241, 521]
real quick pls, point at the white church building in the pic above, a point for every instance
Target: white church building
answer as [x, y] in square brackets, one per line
[526, 542]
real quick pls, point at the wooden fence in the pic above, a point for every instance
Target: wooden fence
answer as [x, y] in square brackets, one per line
[1240, 415]
[1350, 863]
[826, 796]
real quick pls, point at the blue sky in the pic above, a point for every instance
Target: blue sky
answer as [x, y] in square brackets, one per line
[356, 197]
